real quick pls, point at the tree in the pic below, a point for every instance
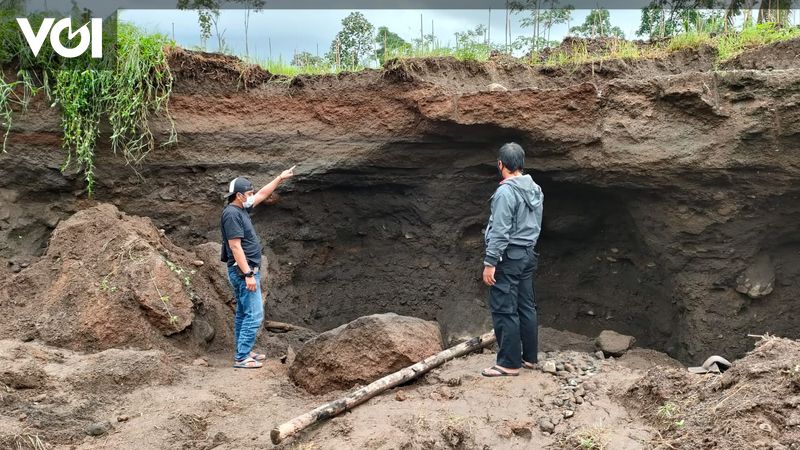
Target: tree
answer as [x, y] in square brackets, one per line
[250, 5]
[353, 43]
[544, 15]
[598, 24]
[306, 59]
[472, 44]
[390, 43]
[777, 11]
[662, 18]
[207, 14]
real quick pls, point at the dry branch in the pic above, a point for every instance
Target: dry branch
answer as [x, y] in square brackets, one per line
[280, 327]
[365, 393]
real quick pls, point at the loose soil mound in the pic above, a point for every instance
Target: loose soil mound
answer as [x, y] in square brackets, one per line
[54, 395]
[112, 280]
[752, 405]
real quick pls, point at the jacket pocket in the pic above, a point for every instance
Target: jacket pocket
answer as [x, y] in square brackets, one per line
[516, 253]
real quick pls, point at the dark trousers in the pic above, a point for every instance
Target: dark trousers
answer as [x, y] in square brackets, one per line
[511, 301]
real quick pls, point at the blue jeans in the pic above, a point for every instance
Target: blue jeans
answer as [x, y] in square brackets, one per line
[249, 312]
[513, 307]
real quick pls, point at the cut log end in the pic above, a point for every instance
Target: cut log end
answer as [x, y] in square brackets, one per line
[275, 435]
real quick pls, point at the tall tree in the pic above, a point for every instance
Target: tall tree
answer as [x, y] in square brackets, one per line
[207, 14]
[389, 42]
[662, 18]
[354, 42]
[598, 24]
[540, 16]
[306, 59]
[777, 11]
[254, 6]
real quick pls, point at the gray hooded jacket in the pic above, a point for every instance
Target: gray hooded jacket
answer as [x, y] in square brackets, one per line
[516, 217]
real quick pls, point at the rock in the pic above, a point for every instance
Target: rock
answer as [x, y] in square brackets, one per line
[123, 418]
[401, 396]
[362, 351]
[497, 87]
[98, 428]
[200, 362]
[765, 427]
[39, 398]
[758, 280]
[599, 354]
[521, 428]
[549, 367]
[546, 426]
[568, 413]
[612, 343]
[203, 330]
[109, 272]
[198, 263]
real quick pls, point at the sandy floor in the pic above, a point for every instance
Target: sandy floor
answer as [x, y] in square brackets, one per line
[451, 407]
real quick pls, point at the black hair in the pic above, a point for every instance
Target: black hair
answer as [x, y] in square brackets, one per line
[512, 156]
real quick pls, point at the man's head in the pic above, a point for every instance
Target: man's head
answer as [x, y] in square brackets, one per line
[239, 190]
[510, 160]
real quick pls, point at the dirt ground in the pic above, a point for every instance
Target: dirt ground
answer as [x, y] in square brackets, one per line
[53, 398]
[215, 406]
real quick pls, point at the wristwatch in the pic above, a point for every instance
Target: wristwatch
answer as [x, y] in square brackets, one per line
[249, 274]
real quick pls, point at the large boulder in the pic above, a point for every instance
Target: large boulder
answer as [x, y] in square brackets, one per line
[108, 280]
[758, 280]
[362, 351]
[612, 343]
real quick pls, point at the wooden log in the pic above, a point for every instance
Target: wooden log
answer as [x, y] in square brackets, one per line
[280, 327]
[365, 393]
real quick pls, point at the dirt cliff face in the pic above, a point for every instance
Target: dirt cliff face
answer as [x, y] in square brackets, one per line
[668, 185]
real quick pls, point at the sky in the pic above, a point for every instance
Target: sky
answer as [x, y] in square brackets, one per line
[285, 32]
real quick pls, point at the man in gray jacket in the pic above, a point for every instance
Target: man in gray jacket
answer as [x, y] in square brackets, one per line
[510, 262]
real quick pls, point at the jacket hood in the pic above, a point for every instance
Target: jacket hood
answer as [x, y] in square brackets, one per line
[528, 189]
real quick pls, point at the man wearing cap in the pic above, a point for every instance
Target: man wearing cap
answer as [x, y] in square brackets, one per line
[512, 232]
[241, 249]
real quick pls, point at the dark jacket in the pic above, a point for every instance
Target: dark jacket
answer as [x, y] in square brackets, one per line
[516, 217]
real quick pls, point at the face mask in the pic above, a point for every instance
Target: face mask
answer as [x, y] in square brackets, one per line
[250, 202]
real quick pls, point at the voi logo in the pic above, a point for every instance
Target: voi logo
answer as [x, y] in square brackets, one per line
[93, 38]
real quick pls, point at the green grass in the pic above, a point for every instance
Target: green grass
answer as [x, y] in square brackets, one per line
[728, 46]
[126, 90]
[731, 45]
[281, 67]
[472, 52]
[691, 39]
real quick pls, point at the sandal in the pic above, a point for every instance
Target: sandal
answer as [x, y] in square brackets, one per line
[531, 366]
[258, 356]
[247, 363]
[499, 372]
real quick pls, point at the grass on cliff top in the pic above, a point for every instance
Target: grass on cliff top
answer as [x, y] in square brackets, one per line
[728, 46]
